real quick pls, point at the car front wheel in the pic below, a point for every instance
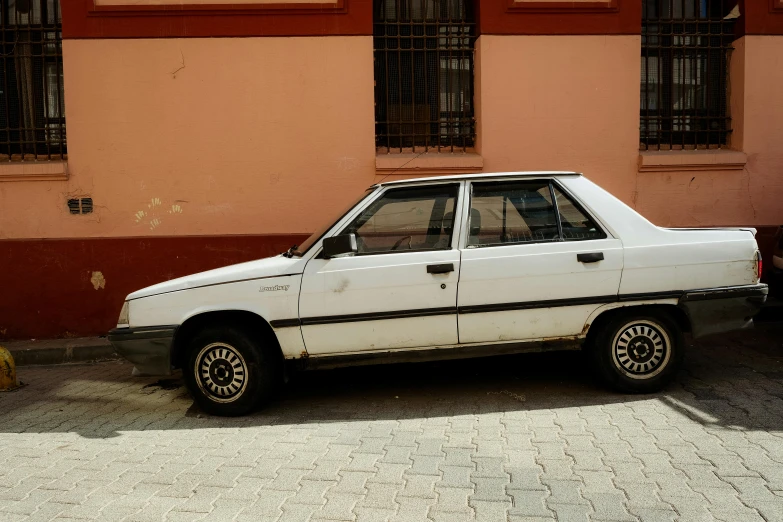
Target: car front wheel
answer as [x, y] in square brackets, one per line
[638, 352]
[228, 372]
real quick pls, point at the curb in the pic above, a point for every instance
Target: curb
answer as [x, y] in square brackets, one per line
[59, 351]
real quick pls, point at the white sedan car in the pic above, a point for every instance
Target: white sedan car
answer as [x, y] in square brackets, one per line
[451, 267]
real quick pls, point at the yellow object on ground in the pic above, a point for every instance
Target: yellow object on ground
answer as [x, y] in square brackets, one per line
[7, 371]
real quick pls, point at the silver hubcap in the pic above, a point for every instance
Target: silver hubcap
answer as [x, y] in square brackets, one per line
[221, 372]
[641, 349]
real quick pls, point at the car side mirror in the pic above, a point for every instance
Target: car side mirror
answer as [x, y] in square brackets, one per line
[339, 245]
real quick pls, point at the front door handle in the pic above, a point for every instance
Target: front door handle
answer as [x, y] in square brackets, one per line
[443, 268]
[592, 257]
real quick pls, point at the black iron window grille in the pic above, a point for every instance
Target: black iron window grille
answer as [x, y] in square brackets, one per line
[32, 113]
[686, 46]
[424, 74]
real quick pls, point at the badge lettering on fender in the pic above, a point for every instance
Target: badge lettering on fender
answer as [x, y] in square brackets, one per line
[275, 288]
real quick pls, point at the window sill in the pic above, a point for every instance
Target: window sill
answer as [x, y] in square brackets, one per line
[34, 171]
[430, 163]
[687, 160]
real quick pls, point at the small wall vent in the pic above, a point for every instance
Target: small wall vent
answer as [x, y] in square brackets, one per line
[80, 206]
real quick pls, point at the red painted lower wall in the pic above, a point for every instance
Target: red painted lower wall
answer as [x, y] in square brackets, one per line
[46, 285]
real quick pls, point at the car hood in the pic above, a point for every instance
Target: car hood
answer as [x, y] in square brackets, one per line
[259, 269]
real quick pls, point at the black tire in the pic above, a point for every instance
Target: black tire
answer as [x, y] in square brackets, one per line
[638, 352]
[229, 372]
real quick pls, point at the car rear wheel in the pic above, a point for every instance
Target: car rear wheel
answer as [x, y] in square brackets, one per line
[229, 372]
[638, 352]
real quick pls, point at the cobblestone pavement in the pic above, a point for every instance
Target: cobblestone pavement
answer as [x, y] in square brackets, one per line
[509, 438]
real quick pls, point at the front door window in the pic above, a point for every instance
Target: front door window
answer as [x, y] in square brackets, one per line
[407, 219]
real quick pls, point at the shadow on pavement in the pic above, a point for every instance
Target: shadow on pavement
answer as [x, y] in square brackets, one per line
[733, 381]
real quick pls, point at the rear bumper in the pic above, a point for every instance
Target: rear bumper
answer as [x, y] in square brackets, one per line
[148, 348]
[718, 310]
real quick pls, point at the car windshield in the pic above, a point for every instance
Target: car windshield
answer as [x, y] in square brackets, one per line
[315, 236]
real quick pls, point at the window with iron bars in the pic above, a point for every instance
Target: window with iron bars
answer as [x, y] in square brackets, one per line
[32, 113]
[686, 46]
[424, 75]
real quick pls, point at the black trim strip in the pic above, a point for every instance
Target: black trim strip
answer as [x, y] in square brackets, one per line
[725, 293]
[397, 314]
[527, 305]
[691, 295]
[285, 323]
[649, 296]
[144, 332]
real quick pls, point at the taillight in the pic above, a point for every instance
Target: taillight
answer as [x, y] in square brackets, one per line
[759, 265]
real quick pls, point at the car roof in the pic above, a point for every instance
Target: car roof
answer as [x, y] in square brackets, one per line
[489, 175]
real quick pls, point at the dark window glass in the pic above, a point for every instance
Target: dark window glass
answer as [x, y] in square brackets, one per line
[684, 73]
[576, 225]
[424, 74]
[32, 107]
[514, 212]
[407, 219]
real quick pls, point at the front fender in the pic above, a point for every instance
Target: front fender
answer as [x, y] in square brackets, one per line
[271, 298]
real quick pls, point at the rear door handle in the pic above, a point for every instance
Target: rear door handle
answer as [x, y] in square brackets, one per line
[592, 257]
[443, 268]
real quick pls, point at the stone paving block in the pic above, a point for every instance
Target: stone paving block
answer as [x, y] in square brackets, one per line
[419, 486]
[456, 476]
[404, 439]
[183, 516]
[452, 499]
[587, 460]
[379, 495]
[570, 512]
[528, 478]
[303, 459]
[352, 482]
[51, 511]
[201, 501]
[339, 452]
[339, 506]
[770, 511]
[492, 489]
[413, 509]
[426, 464]
[389, 473]
[490, 467]
[429, 446]
[30, 502]
[398, 455]
[297, 512]
[565, 491]
[265, 468]
[460, 440]
[363, 462]
[286, 479]
[327, 469]
[245, 488]
[490, 510]
[746, 515]
[156, 509]
[449, 516]
[372, 514]
[529, 503]
[184, 487]
[609, 506]
[312, 492]
[372, 445]
[268, 505]
[458, 457]
[597, 481]
[668, 515]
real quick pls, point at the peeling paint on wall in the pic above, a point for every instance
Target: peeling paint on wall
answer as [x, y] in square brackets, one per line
[97, 280]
